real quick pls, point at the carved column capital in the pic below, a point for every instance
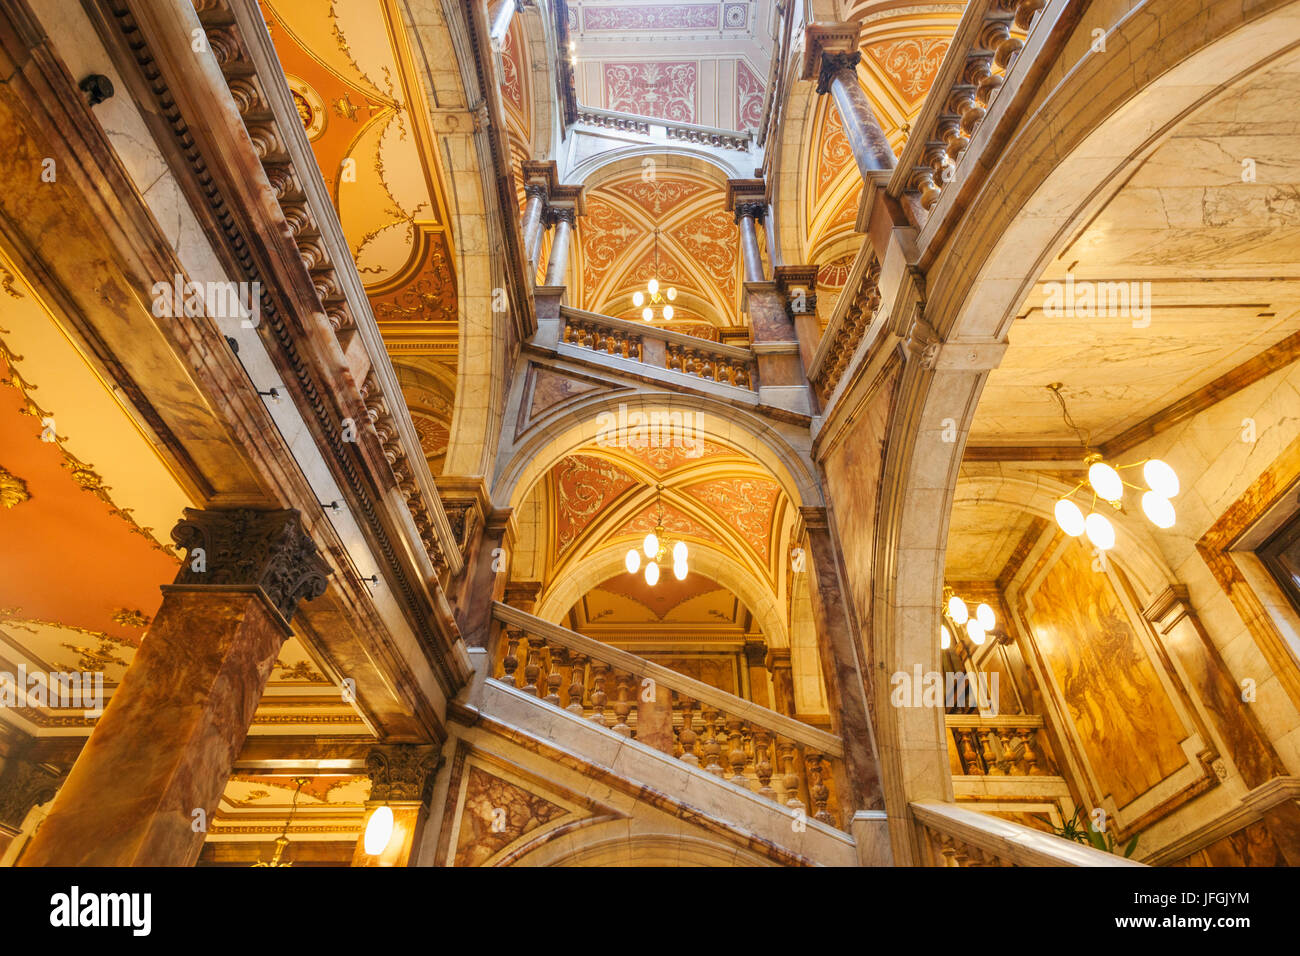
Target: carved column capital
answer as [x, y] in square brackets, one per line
[558, 214]
[831, 64]
[754, 210]
[402, 772]
[22, 786]
[536, 191]
[243, 549]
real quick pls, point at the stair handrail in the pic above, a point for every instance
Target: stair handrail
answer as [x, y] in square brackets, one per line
[787, 727]
[734, 352]
[1011, 843]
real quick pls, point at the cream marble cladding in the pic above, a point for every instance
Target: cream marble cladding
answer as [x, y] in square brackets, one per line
[1215, 466]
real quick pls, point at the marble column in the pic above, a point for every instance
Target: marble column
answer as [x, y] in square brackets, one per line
[846, 690]
[159, 757]
[534, 225]
[486, 573]
[780, 667]
[798, 288]
[401, 778]
[748, 215]
[839, 77]
[563, 218]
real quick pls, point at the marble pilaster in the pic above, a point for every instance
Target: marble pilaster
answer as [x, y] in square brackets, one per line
[401, 778]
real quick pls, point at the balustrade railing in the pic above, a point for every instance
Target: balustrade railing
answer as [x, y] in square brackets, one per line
[854, 314]
[955, 836]
[1004, 746]
[778, 758]
[650, 126]
[984, 48]
[662, 348]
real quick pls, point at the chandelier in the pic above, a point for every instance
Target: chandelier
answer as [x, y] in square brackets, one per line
[656, 550]
[652, 296]
[1107, 484]
[282, 841]
[957, 613]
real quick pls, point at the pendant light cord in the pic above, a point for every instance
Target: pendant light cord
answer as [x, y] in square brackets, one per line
[1055, 389]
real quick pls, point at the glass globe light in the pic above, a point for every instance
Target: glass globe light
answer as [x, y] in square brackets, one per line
[671, 293]
[1158, 509]
[379, 830]
[1160, 478]
[668, 312]
[680, 570]
[957, 609]
[650, 545]
[638, 299]
[679, 552]
[1100, 531]
[1069, 517]
[945, 637]
[1106, 481]
[632, 562]
[984, 614]
[652, 574]
[653, 286]
[975, 632]
[647, 313]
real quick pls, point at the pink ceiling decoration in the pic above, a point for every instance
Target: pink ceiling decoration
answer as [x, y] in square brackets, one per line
[910, 64]
[835, 273]
[660, 195]
[749, 97]
[605, 234]
[745, 504]
[676, 16]
[584, 486]
[511, 85]
[676, 522]
[665, 90]
[662, 459]
[712, 238]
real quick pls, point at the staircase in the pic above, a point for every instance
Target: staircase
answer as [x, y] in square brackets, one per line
[662, 755]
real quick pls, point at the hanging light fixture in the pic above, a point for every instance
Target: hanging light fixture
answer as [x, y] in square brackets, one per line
[957, 618]
[653, 296]
[656, 551]
[282, 841]
[1108, 484]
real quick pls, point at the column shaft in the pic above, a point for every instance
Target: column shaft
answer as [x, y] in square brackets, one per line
[866, 138]
[532, 224]
[559, 261]
[749, 248]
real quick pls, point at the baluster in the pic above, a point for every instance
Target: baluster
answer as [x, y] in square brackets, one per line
[1032, 768]
[736, 756]
[598, 698]
[1008, 761]
[622, 706]
[763, 763]
[1025, 11]
[712, 745]
[790, 780]
[513, 636]
[817, 790]
[686, 737]
[946, 849]
[969, 758]
[534, 666]
[991, 764]
[559, 658]
[577, 682]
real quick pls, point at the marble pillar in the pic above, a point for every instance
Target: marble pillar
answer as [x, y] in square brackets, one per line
[780, 668]
[533, 223]
[154, 767]
[756, 669]
[748, 215]
[839, 77]
[401, 778]
[846, 689]
[563, 219]
[486, 572]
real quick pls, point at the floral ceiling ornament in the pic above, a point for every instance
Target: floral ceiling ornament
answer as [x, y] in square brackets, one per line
[13, 490]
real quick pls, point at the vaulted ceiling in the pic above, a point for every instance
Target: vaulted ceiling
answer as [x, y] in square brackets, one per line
[698, 245]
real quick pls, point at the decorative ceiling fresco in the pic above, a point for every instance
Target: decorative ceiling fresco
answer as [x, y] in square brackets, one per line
[517, 95]
[349, 66]
[716, 72]
[601, 496]
[902, 47]
[698, 247]
[87, 507]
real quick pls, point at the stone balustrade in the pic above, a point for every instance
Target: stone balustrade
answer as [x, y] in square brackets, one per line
[854, 315]
[674, 351]
[777, 757]
[956, 836]
[1003, 746]
[678, 132]
[985, 47]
